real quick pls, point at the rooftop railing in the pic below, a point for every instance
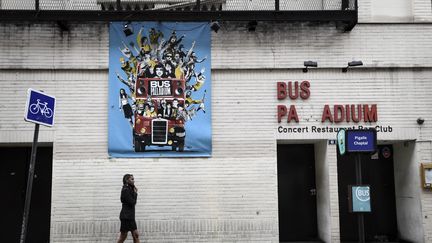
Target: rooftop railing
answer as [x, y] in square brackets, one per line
[343, 11]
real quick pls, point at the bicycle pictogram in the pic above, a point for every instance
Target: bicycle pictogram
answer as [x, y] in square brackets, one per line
[42, 108]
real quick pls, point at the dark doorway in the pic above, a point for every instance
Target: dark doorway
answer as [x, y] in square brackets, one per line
[13, 176]
[377, 171]
[296, 192]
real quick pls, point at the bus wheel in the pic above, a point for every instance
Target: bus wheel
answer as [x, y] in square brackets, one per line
[139, 146]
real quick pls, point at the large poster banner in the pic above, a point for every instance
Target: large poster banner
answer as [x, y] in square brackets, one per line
[159, 90]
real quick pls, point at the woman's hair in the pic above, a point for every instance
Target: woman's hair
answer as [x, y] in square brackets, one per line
[159, 65]
[125, 178]
[124, 95]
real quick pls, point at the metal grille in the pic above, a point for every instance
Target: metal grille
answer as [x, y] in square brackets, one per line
[343, 12]
[159, 131]
[178, 5]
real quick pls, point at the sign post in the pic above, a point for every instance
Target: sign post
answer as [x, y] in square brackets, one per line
[29, 185]
[360, 216]
[40, 109]
[359, 141]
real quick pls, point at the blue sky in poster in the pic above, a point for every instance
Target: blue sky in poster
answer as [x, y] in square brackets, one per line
[198, 130]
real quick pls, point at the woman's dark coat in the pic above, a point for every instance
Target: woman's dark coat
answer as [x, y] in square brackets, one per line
[128, 198]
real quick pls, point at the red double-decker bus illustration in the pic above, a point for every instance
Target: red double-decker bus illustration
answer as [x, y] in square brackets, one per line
[158, 114]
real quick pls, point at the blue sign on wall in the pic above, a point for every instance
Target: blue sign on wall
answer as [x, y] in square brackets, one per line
[360, 199]
[40, 108]
[361, 140]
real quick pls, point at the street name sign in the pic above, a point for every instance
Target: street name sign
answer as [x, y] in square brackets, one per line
[361, 140]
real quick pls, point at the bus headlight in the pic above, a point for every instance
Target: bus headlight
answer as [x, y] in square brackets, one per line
[141, 91]
[179, 91]
[170, 142]
[171, 130]
[143, 130]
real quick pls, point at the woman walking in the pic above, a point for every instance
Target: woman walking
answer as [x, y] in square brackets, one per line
[127, 214]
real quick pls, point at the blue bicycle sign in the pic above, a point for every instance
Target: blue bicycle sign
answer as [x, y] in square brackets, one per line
[40, 108]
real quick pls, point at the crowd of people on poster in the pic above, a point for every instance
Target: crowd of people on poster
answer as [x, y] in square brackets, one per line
[145, 64]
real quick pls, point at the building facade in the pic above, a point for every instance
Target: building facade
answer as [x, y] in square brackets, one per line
[243, 192]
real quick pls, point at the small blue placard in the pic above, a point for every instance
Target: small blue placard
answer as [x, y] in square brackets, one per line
[361, 199]
[361, 140]
[40, 108]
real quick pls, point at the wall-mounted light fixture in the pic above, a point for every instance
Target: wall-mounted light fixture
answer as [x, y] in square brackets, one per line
[63, 25]
[308, 64]
[420, 121]
[215, 26]
[352, 64]
[251, 25]
[128, 29]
